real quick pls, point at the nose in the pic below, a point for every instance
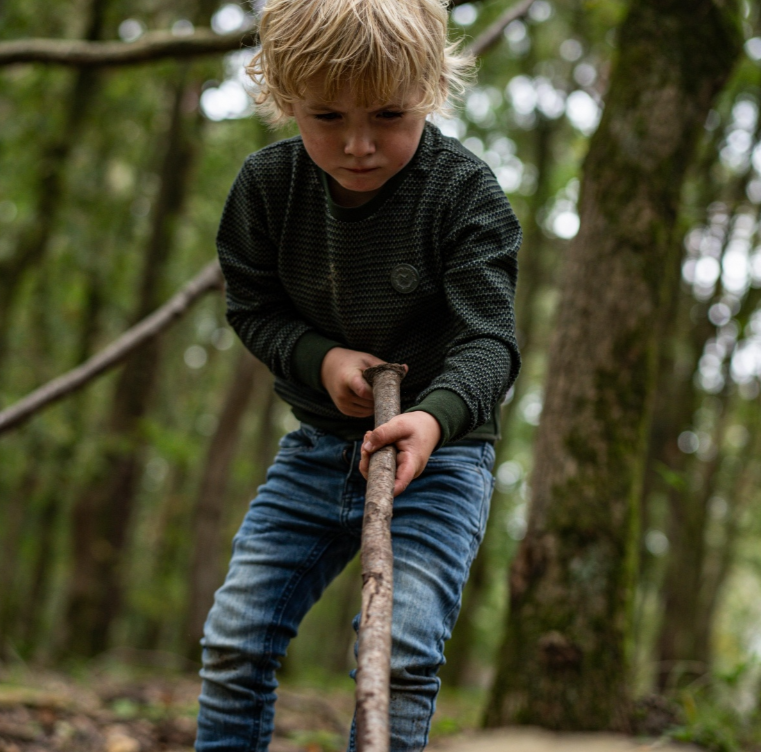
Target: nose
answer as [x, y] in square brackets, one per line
[359, 143]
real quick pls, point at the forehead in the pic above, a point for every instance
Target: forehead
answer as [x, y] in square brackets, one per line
[346, 96]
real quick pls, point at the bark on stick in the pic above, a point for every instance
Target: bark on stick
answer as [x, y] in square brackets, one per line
[374, 659]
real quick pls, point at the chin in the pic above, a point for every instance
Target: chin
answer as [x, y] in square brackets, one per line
[361, 186]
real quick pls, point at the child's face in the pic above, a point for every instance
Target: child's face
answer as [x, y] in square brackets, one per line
[360, 148]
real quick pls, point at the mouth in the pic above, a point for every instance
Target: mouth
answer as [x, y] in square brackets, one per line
[360, 170]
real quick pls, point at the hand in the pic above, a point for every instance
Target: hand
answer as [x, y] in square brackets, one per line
[341, 375]
[415, 434]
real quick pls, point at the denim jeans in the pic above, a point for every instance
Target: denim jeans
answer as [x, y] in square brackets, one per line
[300, 531]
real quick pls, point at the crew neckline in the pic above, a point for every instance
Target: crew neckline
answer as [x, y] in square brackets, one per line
[358, 213]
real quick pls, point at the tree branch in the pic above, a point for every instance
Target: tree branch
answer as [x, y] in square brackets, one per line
[160, 45]
[490, 36]
[151, 47]
[209, 278]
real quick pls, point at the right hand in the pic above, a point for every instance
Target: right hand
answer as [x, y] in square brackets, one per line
[341, 375]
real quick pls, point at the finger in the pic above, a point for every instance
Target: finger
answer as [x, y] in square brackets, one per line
[354, 410]
[406, 471]
[389, 433]
[364, 458]
[361, 388]
[367, 404]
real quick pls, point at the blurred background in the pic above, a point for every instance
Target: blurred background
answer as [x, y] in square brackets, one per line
[118, 504]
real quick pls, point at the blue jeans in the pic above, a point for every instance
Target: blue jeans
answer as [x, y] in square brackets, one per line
[300, 531]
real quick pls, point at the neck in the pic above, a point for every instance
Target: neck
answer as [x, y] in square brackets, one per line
[349, 199]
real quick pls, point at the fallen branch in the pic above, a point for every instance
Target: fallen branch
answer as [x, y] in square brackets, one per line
[153, 46]
[208, 279]
[491, 35]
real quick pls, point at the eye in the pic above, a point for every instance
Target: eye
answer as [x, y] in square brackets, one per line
[327, 116]
[390, 114]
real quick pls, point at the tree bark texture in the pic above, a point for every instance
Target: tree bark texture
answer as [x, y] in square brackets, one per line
[374, 657]
[565, 659]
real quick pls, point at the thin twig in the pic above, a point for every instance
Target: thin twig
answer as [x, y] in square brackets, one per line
[149, 48]
[490, 36]
[208, 279]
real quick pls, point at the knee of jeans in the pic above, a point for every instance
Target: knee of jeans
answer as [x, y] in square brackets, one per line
[232, 667]
[415, 659]
[416, 678]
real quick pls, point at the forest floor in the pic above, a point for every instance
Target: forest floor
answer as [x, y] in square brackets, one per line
[108, 710]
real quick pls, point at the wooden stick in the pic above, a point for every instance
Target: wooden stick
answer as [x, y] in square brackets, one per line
[374, 658]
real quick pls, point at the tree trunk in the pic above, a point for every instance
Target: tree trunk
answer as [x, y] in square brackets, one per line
[206, 569]
[565, 662]
[102, 514]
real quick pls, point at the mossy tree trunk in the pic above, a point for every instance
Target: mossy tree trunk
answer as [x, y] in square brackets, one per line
[564, 662]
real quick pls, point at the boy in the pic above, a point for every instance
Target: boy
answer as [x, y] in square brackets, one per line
[369, 238]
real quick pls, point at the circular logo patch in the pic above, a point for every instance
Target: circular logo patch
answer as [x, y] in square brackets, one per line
[404, 278]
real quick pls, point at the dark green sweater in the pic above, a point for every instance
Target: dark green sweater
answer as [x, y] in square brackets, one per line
[423, 274]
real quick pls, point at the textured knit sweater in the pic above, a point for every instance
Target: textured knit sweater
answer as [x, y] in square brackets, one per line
[423, 274]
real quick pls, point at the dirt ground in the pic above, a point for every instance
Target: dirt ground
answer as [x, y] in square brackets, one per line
[107, 711]
[537, 740]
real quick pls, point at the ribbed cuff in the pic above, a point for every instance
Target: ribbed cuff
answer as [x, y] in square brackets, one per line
[449, 409]
[308, 353]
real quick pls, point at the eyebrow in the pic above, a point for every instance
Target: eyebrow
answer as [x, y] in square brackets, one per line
[318, 105]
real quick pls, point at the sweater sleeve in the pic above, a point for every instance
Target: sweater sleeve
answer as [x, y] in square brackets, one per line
[258, 307]
[479, 247]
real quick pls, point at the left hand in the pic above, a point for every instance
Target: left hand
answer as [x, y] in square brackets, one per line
[415, 434]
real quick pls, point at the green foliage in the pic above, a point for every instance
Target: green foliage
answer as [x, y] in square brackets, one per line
[723, 714]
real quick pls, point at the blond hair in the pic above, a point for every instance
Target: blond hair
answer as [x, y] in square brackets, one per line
[383, 49]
